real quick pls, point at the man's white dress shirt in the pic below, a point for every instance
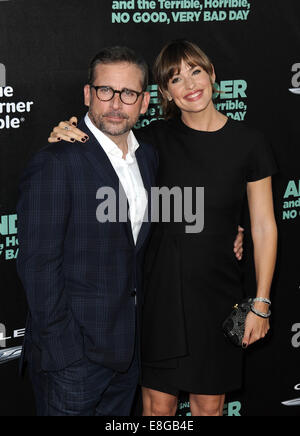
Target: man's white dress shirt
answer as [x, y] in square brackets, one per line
[128, 173]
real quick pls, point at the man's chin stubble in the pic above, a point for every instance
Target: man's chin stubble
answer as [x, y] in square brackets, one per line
[114, 132]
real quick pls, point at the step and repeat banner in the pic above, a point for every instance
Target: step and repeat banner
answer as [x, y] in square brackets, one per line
[45, 49]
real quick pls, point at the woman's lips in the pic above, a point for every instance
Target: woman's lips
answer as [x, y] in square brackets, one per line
[194, 96]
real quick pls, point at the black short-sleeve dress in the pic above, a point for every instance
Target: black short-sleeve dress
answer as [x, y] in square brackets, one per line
[193, 280]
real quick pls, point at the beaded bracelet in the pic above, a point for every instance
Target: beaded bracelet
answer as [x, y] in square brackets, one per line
[260, 314]
[262, 300]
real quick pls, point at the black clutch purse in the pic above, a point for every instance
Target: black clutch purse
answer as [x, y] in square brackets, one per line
[234, 325]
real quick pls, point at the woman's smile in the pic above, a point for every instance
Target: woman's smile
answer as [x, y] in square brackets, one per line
[194, 96]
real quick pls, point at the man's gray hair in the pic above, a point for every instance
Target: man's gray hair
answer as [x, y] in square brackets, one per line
[111, 55]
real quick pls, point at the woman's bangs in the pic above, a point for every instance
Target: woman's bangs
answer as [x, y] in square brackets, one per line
[173, 66]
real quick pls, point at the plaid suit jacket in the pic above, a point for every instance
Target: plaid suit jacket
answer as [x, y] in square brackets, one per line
[79, 275]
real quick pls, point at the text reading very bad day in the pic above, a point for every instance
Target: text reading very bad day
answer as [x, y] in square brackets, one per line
[168, 11]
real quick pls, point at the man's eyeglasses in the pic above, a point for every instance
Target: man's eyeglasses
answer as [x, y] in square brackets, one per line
[106, 93]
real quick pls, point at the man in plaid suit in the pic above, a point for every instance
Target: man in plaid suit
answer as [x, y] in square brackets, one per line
[83, 277]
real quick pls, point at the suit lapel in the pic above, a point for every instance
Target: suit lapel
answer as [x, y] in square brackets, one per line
[99, 160]
[102, 165]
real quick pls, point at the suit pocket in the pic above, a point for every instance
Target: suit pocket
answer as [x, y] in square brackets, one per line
[73, 373]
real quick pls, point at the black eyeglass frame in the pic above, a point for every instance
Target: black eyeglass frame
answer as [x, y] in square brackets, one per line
[137, 93]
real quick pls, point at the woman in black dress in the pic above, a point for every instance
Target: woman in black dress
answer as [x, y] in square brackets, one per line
[193, 280]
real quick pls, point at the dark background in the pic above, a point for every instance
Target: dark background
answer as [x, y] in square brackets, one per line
[46, 46]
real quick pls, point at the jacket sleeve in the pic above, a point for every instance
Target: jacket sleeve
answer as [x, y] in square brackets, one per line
[43, 212]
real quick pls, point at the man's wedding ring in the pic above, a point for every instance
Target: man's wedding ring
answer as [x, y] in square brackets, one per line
[67, 128]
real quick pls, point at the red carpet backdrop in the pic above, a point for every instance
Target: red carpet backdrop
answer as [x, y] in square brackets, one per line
[45, 48]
